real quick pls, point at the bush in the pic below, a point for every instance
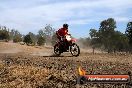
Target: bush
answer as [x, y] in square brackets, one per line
[17, 39]
[41, 41]
[54, 39]
[4, 35]
[28, 40]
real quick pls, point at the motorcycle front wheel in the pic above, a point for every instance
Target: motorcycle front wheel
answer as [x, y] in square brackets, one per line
[75, 50]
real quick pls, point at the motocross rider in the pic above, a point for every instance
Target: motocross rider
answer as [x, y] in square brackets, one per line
[61, 33]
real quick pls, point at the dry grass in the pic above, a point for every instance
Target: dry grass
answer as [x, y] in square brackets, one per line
[23, 76]
[28, 71]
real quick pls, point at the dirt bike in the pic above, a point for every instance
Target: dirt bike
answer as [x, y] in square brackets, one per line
[67, 45]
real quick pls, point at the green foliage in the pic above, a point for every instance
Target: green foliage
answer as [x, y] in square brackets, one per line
[4, 34]
[17, 39]
[47, 32]
[54, 39]
[28, 40]
[120, 41]
[129, 32]
[106, 33]
[93, 33]
[41, 33]
[95, 40]
[14, 33]
[41, 40]
[33, 38]
[108, 38]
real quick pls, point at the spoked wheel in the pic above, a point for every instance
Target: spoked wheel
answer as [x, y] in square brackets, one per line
[57, 50]
[75, 50]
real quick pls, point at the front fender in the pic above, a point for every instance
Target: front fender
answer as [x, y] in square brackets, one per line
[74, 40]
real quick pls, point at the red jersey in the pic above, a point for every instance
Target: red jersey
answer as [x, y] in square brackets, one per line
[62, 32]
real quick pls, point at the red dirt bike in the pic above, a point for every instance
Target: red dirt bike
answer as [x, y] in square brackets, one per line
[67, 45]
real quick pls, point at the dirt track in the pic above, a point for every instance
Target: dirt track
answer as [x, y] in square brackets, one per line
[31, 67]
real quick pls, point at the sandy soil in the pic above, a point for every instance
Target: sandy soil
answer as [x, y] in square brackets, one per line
[24, 66]
[17, 48]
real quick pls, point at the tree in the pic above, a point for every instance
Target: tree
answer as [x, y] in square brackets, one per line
[12, 34]
[47, 32]
[15, 35]
[17, 39]
[54, 39]
[41, 33]
[33, 37]
[27, 39]
[120, 42]
[41, 40]
[106, 37]
[129, 32]
[95, 40]
[106, 32]
[93, 33]
[4, 34]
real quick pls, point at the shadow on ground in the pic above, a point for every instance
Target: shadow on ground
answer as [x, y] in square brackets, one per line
[56, 56]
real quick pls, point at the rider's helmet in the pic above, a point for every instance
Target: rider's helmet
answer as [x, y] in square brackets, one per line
[65, 26]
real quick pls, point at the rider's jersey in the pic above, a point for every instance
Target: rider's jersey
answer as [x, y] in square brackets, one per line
[62, 32]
